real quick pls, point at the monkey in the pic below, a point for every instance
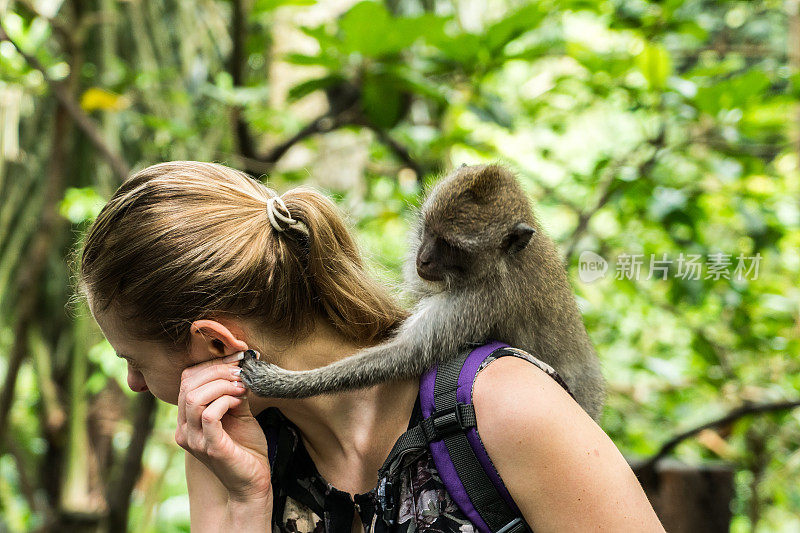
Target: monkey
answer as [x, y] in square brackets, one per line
[479, 267]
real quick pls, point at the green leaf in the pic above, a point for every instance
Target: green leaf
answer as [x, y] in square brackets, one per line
[372, 31]
[736, 92]
[536, 51]
[321, 60]
[307, 87]
[655, 64]
[490, 108]
[462, 48]
[382, 101]
[411, 80]
[81, 204]
[264, 6]
[368, 29]
[704, 348]
[512, 26]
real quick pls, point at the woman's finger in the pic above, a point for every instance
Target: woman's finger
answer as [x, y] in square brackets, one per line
[243, 409]
[193, 377]
[213, 433]
[198, 399]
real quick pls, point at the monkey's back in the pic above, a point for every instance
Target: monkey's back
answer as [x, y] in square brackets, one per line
[544, 320]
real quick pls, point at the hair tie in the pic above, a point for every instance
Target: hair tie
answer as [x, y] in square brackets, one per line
[275, 215]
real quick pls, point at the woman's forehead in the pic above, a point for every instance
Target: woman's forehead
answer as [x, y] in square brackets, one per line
[117, 330]
[113, 330]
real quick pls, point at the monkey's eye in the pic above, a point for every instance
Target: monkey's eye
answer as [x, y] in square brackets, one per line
[452, 256]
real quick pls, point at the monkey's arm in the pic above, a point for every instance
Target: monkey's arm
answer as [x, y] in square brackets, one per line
[436, 331]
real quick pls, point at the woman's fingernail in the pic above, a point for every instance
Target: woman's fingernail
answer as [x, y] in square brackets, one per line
[239, 384]
[238, 356]
[236, 371]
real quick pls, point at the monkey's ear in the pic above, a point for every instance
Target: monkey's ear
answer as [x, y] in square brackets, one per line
[518, 238]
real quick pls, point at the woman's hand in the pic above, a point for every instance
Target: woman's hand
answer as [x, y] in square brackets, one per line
[216, 426]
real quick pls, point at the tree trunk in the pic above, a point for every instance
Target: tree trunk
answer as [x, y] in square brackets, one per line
[689, 498]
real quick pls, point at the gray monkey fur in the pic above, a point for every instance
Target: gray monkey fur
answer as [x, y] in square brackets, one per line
[522, 298]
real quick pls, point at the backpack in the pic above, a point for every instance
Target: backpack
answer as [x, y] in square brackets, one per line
[449, 431]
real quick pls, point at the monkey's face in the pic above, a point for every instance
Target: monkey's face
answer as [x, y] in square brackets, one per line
[438, 259]
[473, 223]
[442, 260]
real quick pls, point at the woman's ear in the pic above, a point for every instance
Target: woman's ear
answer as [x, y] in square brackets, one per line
[211, 339]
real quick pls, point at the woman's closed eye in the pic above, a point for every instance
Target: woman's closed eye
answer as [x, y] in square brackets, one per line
[131, 363]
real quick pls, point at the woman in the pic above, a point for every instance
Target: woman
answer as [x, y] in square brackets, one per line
[189, 264]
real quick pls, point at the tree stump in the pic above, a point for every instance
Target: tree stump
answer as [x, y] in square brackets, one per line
[689, 498]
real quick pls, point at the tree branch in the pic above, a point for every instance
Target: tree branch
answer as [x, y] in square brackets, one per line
[25, 484]
[36, 259]
[399, 150]
[244, 140]
[323, 124]
[732, 416]
[333, 119]
[119, 493]
[80, 118]
[611, 186]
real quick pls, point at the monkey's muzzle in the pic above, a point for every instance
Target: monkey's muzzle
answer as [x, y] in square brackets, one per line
[427, 273]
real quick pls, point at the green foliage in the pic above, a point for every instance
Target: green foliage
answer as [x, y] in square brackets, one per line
[81, 204]
[639, 127]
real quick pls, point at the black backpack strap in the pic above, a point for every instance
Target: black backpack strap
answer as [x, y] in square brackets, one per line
[472, 482]
[428, 430]
[485, 498]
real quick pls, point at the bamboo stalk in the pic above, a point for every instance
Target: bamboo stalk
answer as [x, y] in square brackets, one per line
[35, 261]
[76, 497]
[54, 416]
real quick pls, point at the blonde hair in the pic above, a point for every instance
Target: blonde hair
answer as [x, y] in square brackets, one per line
[185, 240]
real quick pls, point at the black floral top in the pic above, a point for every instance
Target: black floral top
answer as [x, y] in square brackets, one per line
[305, 502]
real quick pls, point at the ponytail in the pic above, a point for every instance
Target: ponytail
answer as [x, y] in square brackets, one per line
[185, 240]
[347, 296]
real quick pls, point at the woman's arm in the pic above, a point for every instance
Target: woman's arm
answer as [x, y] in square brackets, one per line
[210, 508]
[562, 470]
[208, 497]
[227, 469]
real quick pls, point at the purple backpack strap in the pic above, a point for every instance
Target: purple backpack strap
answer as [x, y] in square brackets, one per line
[430, 398]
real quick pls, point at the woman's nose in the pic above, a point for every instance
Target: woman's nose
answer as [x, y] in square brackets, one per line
[136, 381]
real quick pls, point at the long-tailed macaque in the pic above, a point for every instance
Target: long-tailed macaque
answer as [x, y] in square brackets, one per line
[480, 268]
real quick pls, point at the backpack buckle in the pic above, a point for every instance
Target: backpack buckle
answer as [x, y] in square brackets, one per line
[386, 500]
[515, 526]
[445, 422]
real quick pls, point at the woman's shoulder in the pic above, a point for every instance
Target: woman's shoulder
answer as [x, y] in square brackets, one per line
[512, 395]
[560, 468]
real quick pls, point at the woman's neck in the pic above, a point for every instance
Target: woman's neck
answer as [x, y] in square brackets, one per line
[347, 434]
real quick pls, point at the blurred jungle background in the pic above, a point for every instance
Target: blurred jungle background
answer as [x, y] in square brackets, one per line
[656, 130]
